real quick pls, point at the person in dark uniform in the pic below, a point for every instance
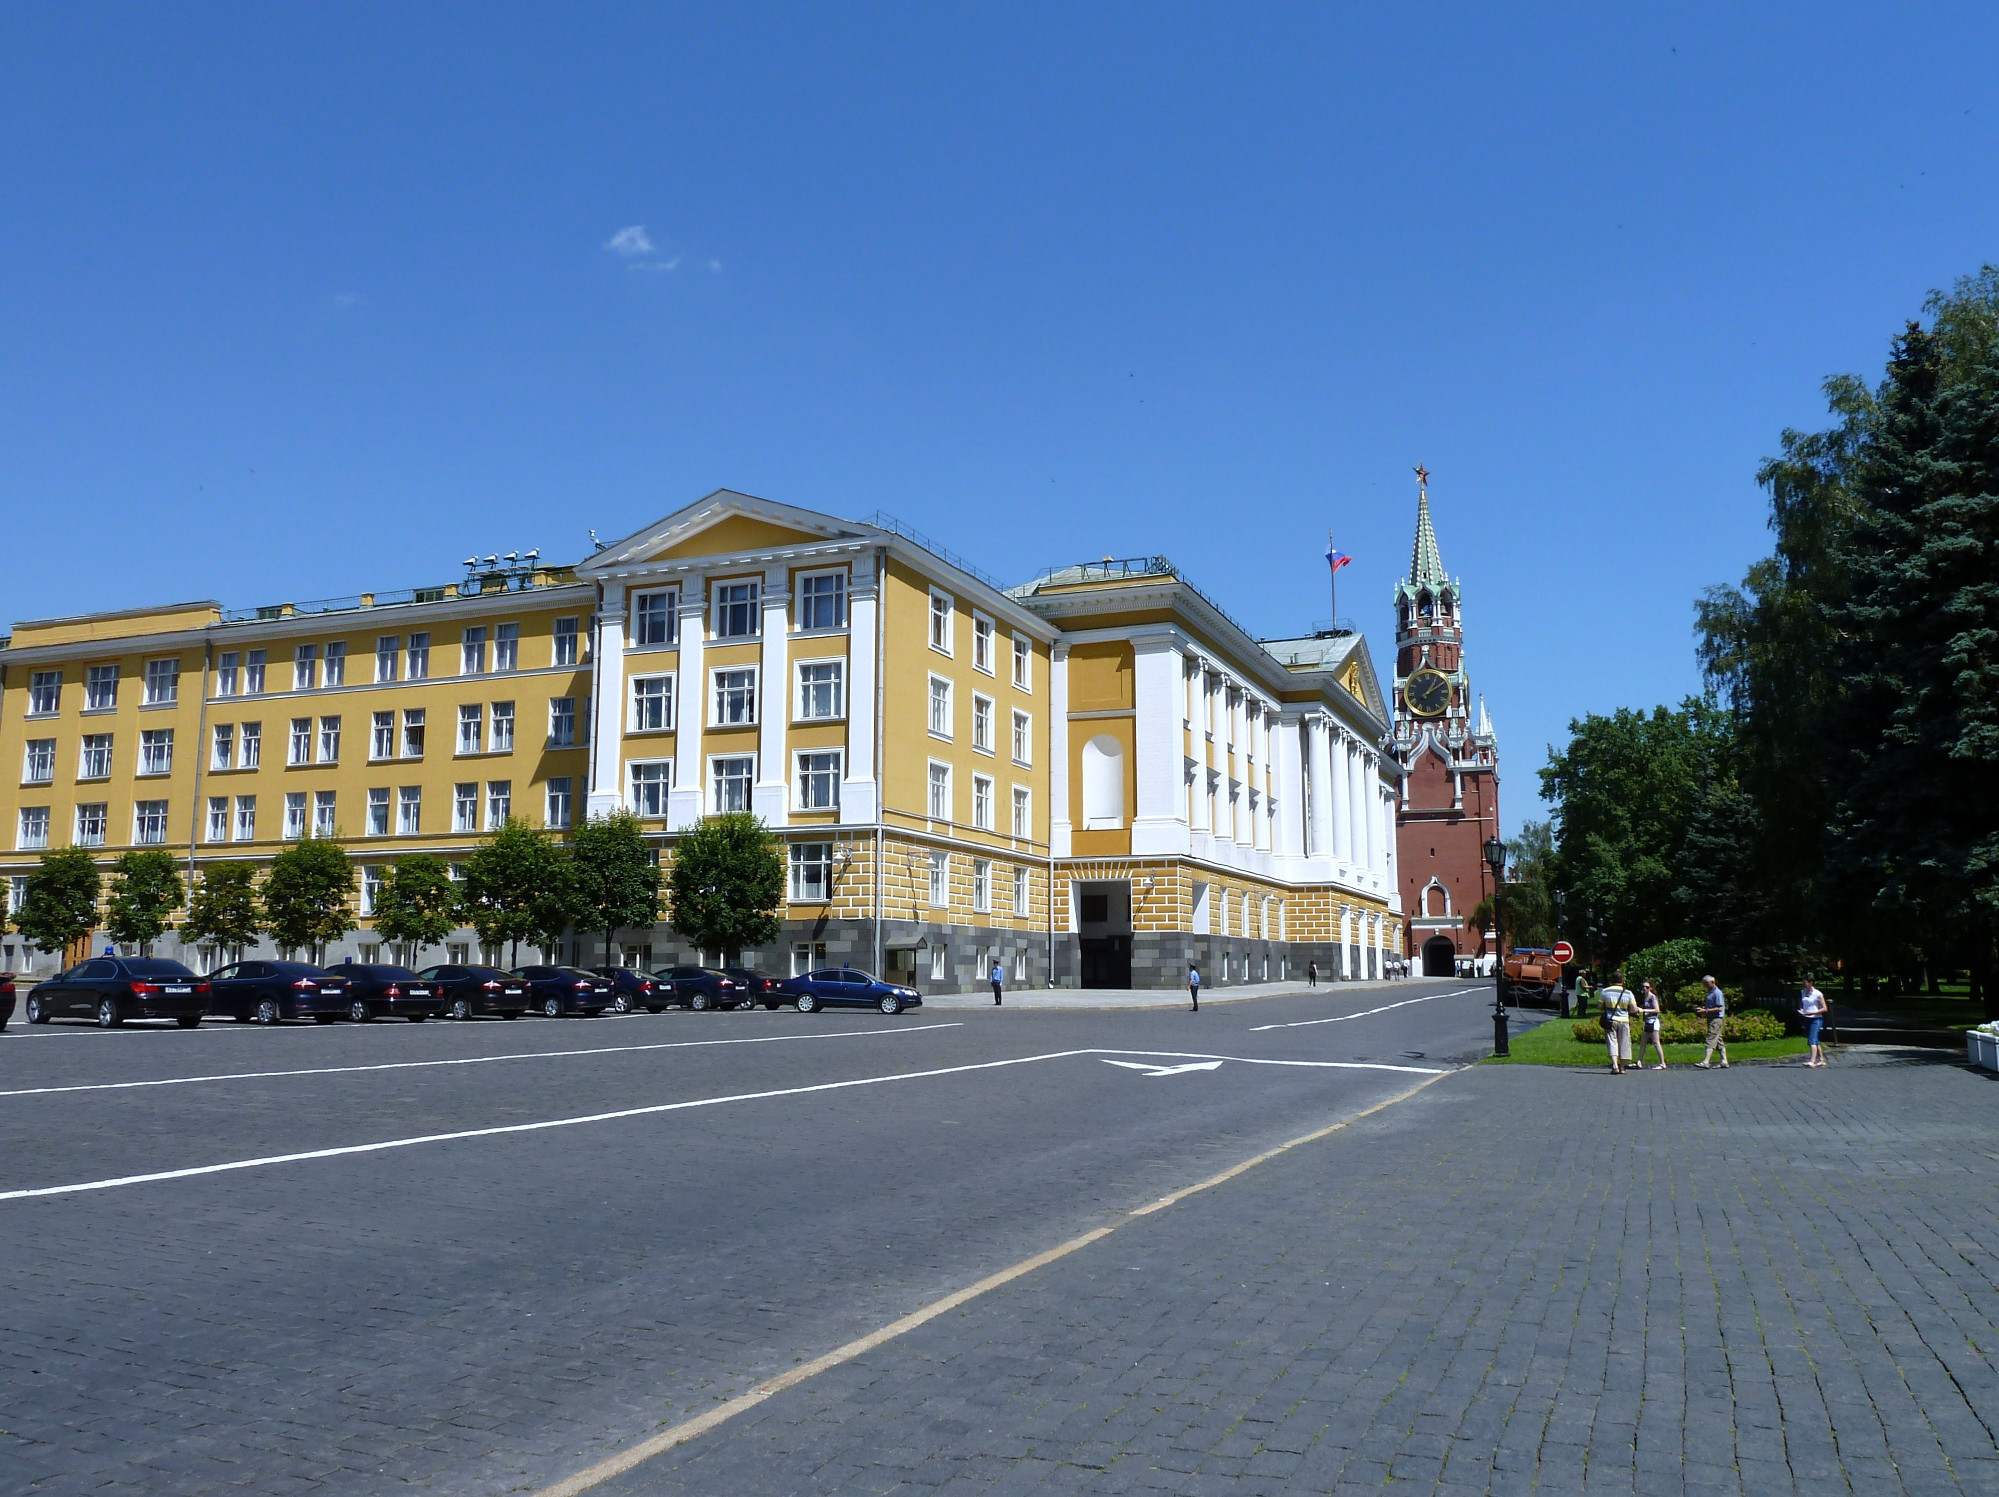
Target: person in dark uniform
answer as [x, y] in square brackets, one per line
[998, 979]
[1311, 974]
[1194, 985]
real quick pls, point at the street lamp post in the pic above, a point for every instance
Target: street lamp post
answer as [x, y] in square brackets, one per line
[1495, 857]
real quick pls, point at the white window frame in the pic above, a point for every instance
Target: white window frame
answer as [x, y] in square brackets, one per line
[669, 699]
[250, 745]
[93, 822]
[801, 866]
[371, 888]
[982, 802]
[409, 810]
[417, 718]
[499, 741]
[377, 823]
[328, 740]
[335, 656]
[983, 710]
[90, 746]
[464, 805]
[244, 826]
[156, 752]
[305, 667]
[297, 813]
[44, 693]
[298, 743]
[1023, 662]
[663, 769]
[388, 647]
[382, 735]
[472, 650]
[1023, 893]
[554, 740]
[985, 635]
[416, 660]
[31, 829]
[228, 671]
[162, 682]
[940, 622]
[149, 823]
[931, 785]
[940, 881]
[471, 715]
[506, 647]
[716, 603]
[799, 690]
[930, 706]
[982, 886]
[801, 776]
[218, 818]
[713, 787]
[799, 599]
[1023, 738]
[755, 689]
[670, 613]
[325, 813]
[96, 680]
[38, 761]
[1023, 813]
[499, 804]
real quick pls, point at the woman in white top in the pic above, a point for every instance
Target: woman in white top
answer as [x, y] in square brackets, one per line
[1649, 1007]
[1812, 1009]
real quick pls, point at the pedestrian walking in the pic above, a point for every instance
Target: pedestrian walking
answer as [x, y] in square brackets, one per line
[1617, 1005]
[1650, 1009]
[1812, 1009]
[999, 981]
[1311, 974]
[1194, 985]
[1714, 1005]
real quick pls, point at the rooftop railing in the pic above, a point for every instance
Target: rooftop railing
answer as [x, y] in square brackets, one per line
[881, 519]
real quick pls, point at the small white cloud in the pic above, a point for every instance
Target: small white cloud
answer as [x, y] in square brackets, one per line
[715, 265]
[632, 241]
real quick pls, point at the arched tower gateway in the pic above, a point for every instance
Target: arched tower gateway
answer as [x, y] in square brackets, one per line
[1449, 759]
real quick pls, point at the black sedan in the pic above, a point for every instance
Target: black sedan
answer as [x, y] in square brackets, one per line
[703, 987]
[375, 992]
[112, 989]
[845, 987]
[556, 991]
[477, 990]
[763, 990]
[6, 998]
[632, 989]
[271, 992]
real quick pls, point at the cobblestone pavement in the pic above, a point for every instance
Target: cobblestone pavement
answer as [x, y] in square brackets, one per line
[1522, 1280]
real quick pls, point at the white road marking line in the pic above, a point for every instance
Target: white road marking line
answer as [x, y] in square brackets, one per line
[1139, 1065]
[1364, 1013]
[471, 1060]
[383, 1146]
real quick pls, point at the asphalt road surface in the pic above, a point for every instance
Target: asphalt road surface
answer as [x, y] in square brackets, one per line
[480, 1257]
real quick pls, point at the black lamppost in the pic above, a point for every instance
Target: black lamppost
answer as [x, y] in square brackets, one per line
[1495, 857]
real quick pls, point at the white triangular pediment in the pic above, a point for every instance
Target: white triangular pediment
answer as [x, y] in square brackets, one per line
[714, 513]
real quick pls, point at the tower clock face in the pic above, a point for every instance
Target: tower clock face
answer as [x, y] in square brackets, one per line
[1428, 693]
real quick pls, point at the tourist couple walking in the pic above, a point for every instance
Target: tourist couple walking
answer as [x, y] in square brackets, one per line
[1619, 1005]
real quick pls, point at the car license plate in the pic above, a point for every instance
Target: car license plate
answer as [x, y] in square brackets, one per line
[419, 992]
[182, 988]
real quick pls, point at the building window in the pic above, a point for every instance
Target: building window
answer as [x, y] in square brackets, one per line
[821, 689]
[324, 818]
[222, 746]
[378, 811]
[386, 650]
[563, 635]
[227, 673]
[558, 801]
[1021, 900]
[982, 802]
[819, 782]
[940, 791]
[982, 723]
[1023, 662]
[465, 806]
[336, 662]
[156, 751]
[506, 647]
[807, 956]
[246, 818]
[561, 722]
[499, 803]
[732, 777]
[735, 697]
[655, 620]
[409, 810]
[940, 621]
[472, 651]
[940, 880]
[940, 707]
[1023, 739]
[149, 822]
[503, 727]
[162, 682]
[253, 745]
[253, 673]
[419, 657]
[982, 643]
[38, 761]
[44, 693]
[100, 688]
[471, 727]
[299, 751]
[93, 761]
[305, 667]
[33, 832]
[982, 885]
[1022, 826]
[651, 780]
[940, 963]
[413, 732]
[652, 704]
[822, 601]
[91, 819]
[294, 815]
[811, 872]
[382, 736]
[218, 818]
[371, 887]
[737, 609]
[329, 740]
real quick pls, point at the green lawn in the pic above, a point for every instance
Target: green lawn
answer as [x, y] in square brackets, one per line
[1551, 1044]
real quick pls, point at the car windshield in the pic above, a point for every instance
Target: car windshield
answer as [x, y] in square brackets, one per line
[389, 974]
[149, 966]
[488, 973]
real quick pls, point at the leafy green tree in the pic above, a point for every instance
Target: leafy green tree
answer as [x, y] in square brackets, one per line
[727, 884]
[616, 876]
[1530, 901]
[417, 904]
[516, 885]
[223, 910]
[308, 895]
[61, 905]
[145, 891]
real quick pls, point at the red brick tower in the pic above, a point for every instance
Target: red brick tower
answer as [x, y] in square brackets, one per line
[1450, 762]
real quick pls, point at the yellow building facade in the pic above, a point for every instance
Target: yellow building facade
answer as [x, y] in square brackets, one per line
[917, 737]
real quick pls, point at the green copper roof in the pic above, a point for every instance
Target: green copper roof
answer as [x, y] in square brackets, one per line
[1425, 565]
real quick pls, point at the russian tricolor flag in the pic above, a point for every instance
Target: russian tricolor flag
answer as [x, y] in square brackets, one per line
[1337, 559]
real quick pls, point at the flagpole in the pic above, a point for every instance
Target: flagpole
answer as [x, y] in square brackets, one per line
[1335, 575]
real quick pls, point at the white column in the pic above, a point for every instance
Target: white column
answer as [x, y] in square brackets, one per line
[770, 796]
[1157, 825]
[1288, 840]
[1342, 799]
[860, 796]
[1200, 822]
[1365, 809]
[689, 796]
[1324, 787]
[1357, 806]
[1391, 861]
[607, 728]
[1058, 756]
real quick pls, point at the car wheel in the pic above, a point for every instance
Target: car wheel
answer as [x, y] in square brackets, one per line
[890, 1004]
[358, 1012]
[460, 1009]
[107, 1015]
[418, 1018]
[552, 1007]
[698, 1002]
[807, 1003]
[267, 1011]
[188, 1021]
[36, 1014]
[621, 1004]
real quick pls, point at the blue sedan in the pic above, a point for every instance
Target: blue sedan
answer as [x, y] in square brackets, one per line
[846, 987]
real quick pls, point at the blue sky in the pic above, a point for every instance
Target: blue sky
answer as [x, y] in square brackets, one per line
[305, 300]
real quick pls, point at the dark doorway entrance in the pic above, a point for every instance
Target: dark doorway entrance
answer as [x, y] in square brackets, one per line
[1103, 928]
[1440, 957]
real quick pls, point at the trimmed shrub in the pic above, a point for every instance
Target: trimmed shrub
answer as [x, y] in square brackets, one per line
[1670, 965]
[1751, 1024]
[1588, 1032]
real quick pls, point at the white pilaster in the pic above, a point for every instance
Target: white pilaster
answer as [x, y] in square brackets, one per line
[607, 728]
[860, 796]
[1341, 844]
[1158, 825]
[1058, 755]
[687, 800]
[770, 796]
[1288, 835]
[1324, 789]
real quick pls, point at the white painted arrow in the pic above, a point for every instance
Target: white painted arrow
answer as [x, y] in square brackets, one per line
[1199, 1065]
